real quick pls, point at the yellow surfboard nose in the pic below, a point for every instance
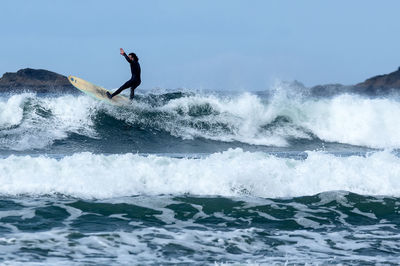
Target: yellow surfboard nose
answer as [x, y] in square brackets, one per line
[96, 91]
[72, 79]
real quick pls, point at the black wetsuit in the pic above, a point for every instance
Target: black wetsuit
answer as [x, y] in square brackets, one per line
[134, 82]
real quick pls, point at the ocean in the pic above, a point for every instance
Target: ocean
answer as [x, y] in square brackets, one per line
[185, 177]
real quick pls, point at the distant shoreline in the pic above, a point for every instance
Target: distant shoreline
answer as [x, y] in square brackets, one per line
[45, 81]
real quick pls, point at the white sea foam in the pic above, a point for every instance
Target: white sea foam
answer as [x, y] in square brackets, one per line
[44, 120]
[353, 119]
[245, 116]
[11, 110]
[230, 173]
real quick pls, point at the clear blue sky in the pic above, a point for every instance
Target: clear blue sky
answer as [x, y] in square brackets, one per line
[204, 44]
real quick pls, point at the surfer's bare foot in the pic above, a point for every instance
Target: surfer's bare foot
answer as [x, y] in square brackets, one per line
[109, 95]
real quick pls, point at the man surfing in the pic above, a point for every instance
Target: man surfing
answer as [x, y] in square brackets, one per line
[135, 81]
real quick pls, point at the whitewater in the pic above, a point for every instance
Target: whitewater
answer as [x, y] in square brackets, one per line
[231, 173]
[277, 177]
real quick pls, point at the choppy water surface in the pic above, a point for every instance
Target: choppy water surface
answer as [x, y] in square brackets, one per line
[331, 227]
[199, 178]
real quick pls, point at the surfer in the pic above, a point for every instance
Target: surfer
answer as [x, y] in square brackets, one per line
[135, 81]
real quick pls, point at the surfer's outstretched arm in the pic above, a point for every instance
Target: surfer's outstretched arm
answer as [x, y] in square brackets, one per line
[121, 51]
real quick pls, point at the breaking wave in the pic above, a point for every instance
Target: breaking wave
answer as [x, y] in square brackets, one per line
[29, 121]
[230, 173]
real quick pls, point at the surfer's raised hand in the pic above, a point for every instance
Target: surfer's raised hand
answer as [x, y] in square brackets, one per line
[121, 51]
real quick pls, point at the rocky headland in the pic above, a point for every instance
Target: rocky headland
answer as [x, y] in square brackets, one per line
[380, 84]
[377, 85]
[36, 80]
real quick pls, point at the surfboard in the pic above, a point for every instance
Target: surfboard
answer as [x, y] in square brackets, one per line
[97, 91]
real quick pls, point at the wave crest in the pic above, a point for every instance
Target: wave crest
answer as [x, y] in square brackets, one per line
[31, 122]
[231, 173]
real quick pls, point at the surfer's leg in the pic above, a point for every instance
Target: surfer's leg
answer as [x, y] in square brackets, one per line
[123, 87]
[132, 93]
[133, 90]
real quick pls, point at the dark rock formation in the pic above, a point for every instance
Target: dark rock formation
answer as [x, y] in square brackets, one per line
[36, 80]
[329, 90]
[382, 84]
[375, 86]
